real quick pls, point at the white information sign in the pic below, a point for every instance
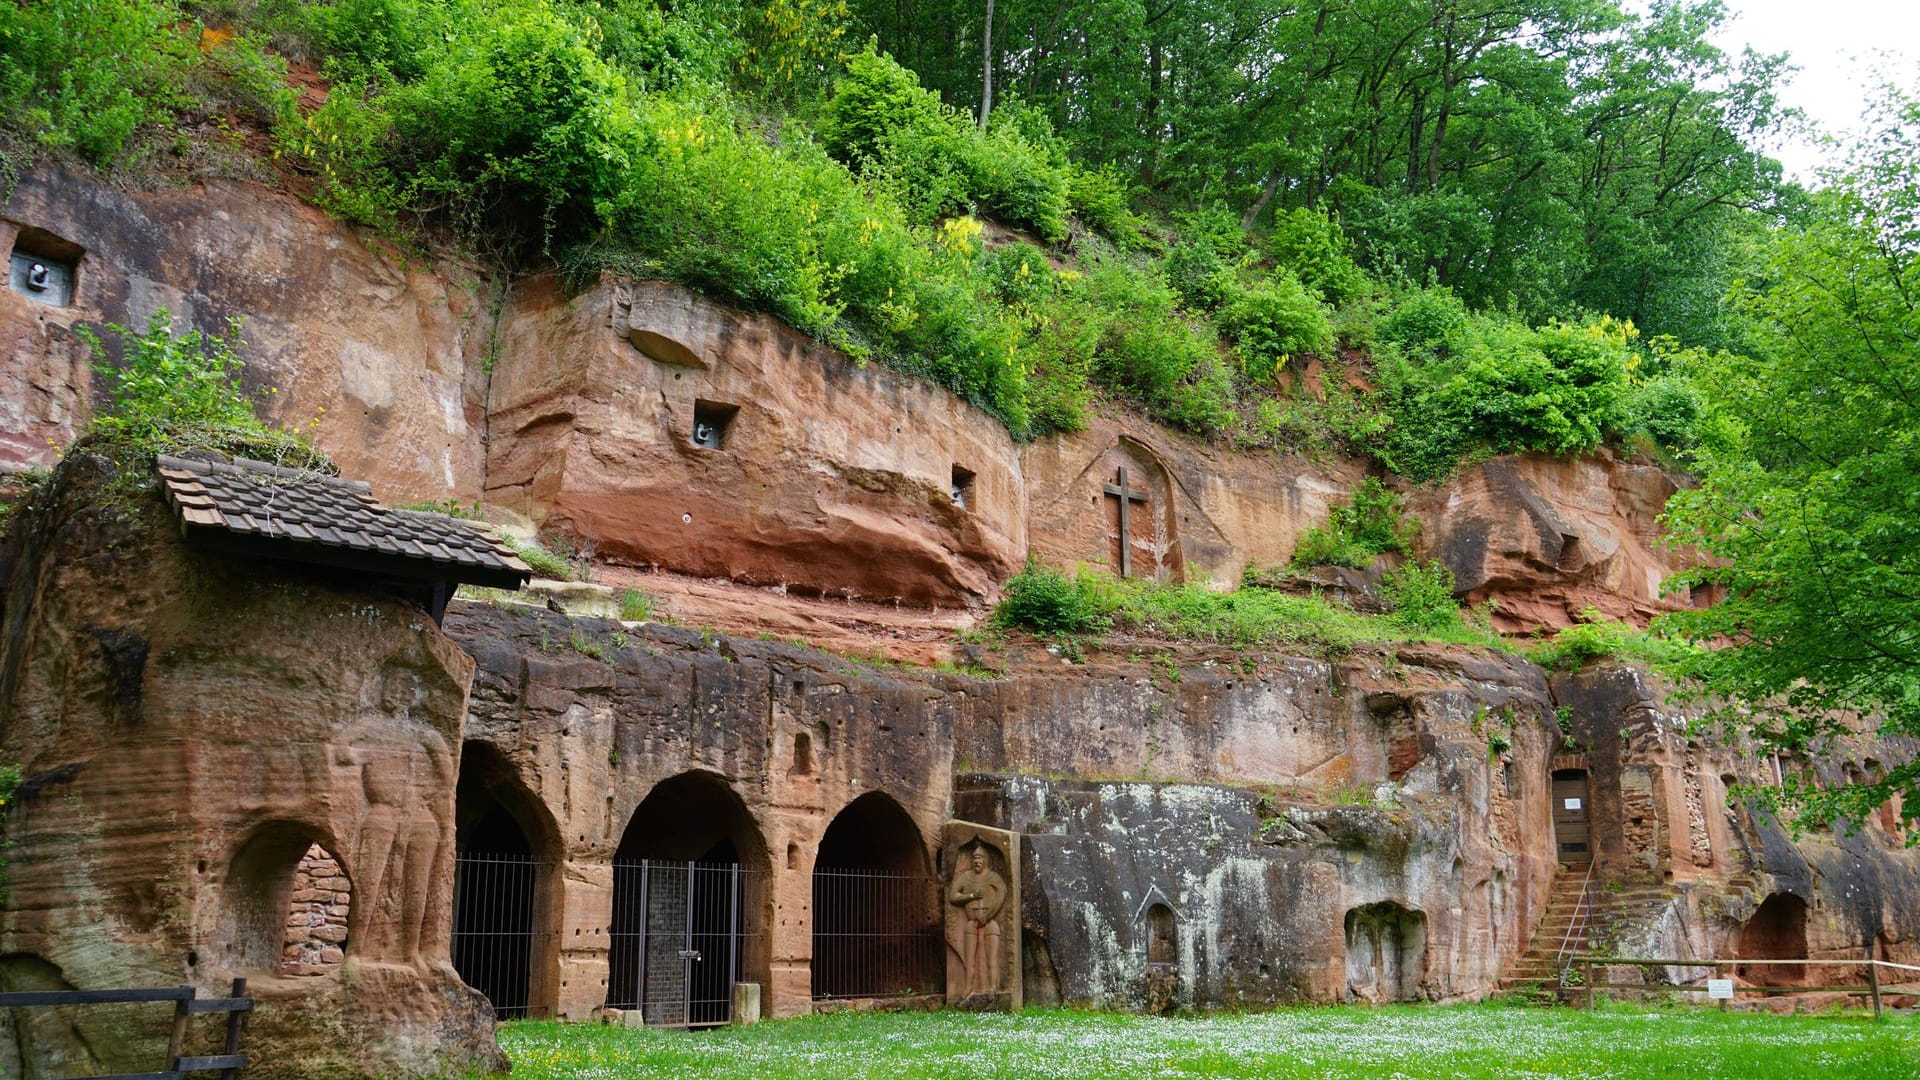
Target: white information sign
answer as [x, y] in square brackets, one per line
[1573, 804]
[1720, 989]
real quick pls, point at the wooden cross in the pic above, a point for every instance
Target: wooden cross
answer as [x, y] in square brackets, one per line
[1127, 497]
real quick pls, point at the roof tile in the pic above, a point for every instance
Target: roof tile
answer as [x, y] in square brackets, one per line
[306, 511]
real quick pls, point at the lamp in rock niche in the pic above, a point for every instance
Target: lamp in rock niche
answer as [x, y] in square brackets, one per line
[42, 277]
[710, 422]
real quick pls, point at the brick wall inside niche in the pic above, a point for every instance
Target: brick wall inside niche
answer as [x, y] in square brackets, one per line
[316, 938]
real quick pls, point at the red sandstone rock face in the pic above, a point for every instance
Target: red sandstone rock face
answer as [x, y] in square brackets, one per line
[1209, 512]
[381, 354]
[829, 478]
[1548, 538]
[189, 727]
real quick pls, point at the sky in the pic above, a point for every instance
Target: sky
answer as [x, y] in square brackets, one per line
[1835, 43]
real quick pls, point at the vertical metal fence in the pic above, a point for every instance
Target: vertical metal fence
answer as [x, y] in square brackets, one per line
[494, 937]
[683, 933]
[875, 934]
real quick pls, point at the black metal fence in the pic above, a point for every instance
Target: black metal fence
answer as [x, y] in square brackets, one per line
[495, 941]
[875, 934]
[683, 934]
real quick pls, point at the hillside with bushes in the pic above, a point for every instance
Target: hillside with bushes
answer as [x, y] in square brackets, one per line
[1412, 233]
[1047, 252]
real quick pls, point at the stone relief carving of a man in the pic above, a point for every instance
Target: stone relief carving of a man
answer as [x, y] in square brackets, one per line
[980, 893]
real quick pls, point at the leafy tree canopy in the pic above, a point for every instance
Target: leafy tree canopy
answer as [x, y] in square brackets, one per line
[1809, 506]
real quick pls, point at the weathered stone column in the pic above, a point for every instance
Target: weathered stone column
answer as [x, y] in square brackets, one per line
[585, 892]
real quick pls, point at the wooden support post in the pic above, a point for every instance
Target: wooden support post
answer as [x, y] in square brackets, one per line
[176, 1044]
[236, 1023]
[1587, 979]
[1873, 983]
[1726, 1003]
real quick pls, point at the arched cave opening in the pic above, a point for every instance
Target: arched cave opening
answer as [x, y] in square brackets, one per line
[1776, 931]
[288, 902]
[689, 904]
[1163, 936]
[1386, 952]
[504, 849]
[875, 927]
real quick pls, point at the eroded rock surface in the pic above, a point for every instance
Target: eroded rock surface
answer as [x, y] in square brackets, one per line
[376, 352]
[189, 727]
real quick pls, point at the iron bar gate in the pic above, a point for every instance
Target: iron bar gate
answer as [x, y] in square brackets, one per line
[494, 937]
[875, 934]
[683, 934]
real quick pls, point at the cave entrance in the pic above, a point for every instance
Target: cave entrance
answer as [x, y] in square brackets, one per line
[876, 930]
[1386, 952]
[1777, 931]
[1570, 832]
[689, 904]
[503, 937]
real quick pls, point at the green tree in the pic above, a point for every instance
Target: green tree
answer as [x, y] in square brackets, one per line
[1809, 504]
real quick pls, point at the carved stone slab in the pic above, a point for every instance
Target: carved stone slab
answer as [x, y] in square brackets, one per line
[980, 893]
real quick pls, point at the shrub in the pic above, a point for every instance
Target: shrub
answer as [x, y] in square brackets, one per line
[1666, 409]
[1558, 389]
[636, 605]
[1367, 525]
[1425, 320]
[89, 77]
[1100, 198]
[1048, 602]
[874, 99]
[1273, 319]
[934, 159]
[172, 392]
[544, 563]
[1148, 351]
[1421, 598]
[1310, 244]
[1596, 638]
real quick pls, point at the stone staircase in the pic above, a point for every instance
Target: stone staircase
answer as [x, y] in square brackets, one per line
[1536, 972]
[1572, 928]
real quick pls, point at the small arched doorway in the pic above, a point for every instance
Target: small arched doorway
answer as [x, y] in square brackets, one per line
[289, 902]
[1777, 931]
[875, 928]
[1571, 835]
[689, 904]
[503, 933]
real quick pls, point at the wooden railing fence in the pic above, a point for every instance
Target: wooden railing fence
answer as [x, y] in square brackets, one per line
[186, 1004]
[1874, 987]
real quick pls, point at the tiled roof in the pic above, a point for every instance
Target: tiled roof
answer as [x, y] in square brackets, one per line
[306, 517]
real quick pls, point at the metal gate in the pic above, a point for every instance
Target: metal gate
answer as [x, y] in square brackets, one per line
[875, 935]
[493, 933]
[683, 934]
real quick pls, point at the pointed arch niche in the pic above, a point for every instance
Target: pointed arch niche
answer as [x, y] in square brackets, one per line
[1135, 494]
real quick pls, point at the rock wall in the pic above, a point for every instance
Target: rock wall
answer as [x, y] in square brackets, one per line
[375, 348]
[1547, 538]
[1703, 862]
[820, 475]
[189, 727]
[1243, 817]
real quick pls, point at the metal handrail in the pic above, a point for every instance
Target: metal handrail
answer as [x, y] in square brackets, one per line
[1576, 925]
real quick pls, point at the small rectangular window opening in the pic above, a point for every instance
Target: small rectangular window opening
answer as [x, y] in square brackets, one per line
[962, 489]
[43, 267]
[711, 419]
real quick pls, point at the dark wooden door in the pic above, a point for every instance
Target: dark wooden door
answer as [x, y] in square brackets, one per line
[1570, 817]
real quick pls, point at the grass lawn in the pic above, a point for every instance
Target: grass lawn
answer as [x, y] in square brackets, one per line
[1375, 1044]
